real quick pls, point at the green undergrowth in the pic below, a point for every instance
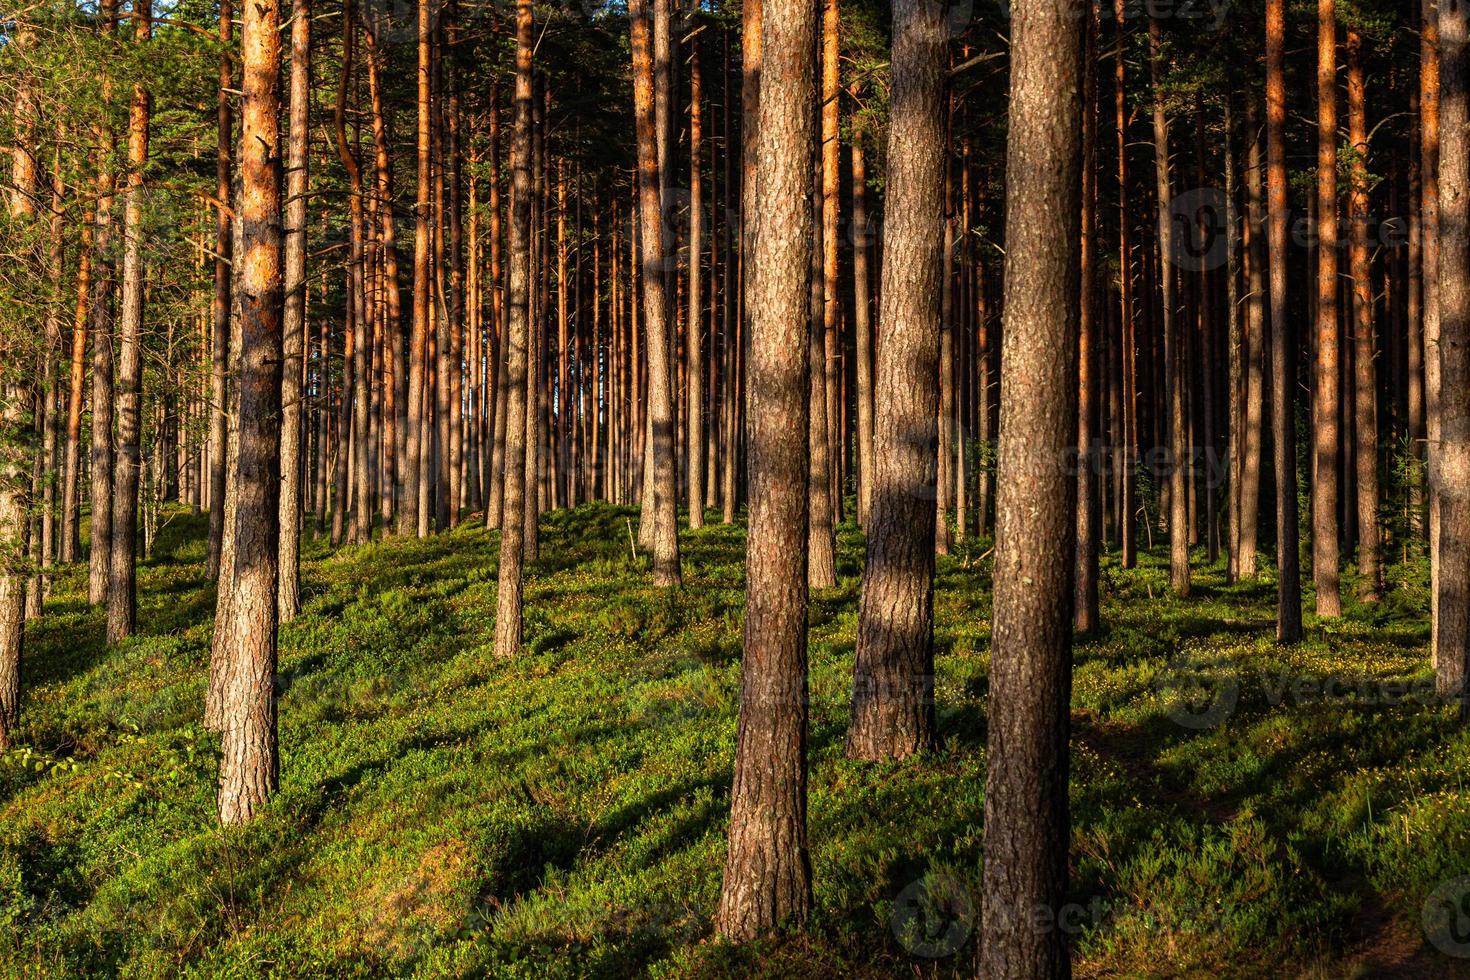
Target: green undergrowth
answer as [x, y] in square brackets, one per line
[1237, 807]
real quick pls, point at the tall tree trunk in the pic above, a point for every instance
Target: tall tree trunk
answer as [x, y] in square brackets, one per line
[831, 201]
[1429, 134]
[495, 483]
[456, 449]
[694, 338]
[821, 537]
[1026, 814]
[1089, 377]
[15, 396]
[71, 548]
[540, 283]
[1325, 408]
[893, 675]
[767, 878]
[394, 429]
[248, 762]
[1452, 477]
[1175, 358]
[944, 478]
[219, 349]
[1236, 344]
[751, 59]
[654, 248]
[361, 511]
[102, 355]
[293, 323]
[1283, 374]
[413, 513]
[1128, 506]
[56, 266]
[862, 330]
[1255, 344]
[122, 578]
[514, 392]
[1365, 411]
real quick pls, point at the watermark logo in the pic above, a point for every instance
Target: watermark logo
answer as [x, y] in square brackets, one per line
[934, 916]
[1447, 917]
[1196, 695]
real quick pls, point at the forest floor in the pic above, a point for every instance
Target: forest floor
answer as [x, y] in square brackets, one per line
[1237, 808]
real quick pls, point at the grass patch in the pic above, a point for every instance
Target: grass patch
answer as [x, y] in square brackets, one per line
[445, 813]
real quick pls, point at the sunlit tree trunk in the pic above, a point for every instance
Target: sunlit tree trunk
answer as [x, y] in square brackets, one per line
[862, 331]
[831, 190]
[1026, 816]
[15, 397]
[1325, 408]
[1089, 377]
[361, 514]
[219, 349]
[71, 548]
[248, 762]
[821, 538]
[1451, 477]
[893, 675]
[1365, 400]
[293, 323]
[767, 877]
[122, 579]
[413, 511]
[1283, 375]
[1255, 345]
[514, 393]
[654, 247]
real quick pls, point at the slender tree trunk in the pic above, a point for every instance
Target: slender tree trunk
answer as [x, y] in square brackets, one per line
[752, 56]
[248, 763]
[50, 421]
[71, 548]
[1365, 411]
[694, 338]
[413, 512]
[21, 197]
[767, 878]
[122, 579]
[361, 511]
[1325, 408]
[1429, 133]
[495, 480]
[1128, 506]
[536, 401]
[1174, 344]
[102, 354]
[821, 537]
[293, 321]
[654, 248]
[1089, 377]
[1235, 342]
[390, 325]
[1283, 374]
[831, 200]
[220, 335]
[863, 331]
[456, 418]
[1255, 344]
[893, 676]
[1026, 814]
[944, 486]
[514, 394]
